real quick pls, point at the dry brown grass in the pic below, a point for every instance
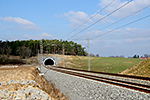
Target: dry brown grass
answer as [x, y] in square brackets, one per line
[28, 73]
[141, 69]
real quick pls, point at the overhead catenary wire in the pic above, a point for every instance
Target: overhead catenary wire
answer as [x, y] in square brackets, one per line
[89, 18]
[121, 26]
[126, 17]
[117, 38]
[119, 20]
[101, 19]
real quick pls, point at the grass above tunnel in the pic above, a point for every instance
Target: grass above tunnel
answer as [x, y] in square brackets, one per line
[101, 64]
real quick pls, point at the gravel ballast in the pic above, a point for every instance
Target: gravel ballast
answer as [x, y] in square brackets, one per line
[25, 93]
[77, 88]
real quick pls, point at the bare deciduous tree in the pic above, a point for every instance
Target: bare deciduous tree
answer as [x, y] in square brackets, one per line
[8, 52]
[5, 52]
[3, 56]
[24, 51]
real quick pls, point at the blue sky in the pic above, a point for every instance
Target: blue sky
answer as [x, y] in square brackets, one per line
[60, 19]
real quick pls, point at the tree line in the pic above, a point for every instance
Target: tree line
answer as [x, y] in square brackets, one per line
[28, 48]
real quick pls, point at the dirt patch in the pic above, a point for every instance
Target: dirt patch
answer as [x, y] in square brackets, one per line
[28, 73]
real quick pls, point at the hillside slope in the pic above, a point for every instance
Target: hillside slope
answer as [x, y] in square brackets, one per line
[141, 69]
[26, 78]
[99, 64]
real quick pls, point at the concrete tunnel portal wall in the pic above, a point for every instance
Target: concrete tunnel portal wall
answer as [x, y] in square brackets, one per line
[49, 61]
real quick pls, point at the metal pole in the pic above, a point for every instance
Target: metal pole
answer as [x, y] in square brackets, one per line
[54, 50]
[63, 55]
[41, 49]
[38, 56]
[88, 54]
[56, 55]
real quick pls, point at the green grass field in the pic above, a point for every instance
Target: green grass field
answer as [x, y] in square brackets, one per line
[101, 64]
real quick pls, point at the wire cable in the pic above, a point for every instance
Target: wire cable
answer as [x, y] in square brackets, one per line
[101, 19]
[122, 19]
[126, 17]
[90, 18]
[118, 38]
[121, 26]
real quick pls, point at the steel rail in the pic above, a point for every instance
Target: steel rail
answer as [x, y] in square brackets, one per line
[113, 74]
[131, 85]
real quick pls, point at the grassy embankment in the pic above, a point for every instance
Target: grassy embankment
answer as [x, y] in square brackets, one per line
[101, 64]
[141, 69]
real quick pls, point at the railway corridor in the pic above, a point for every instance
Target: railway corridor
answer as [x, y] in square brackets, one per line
[78, 86]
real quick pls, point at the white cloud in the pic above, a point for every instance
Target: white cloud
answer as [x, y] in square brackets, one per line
[104, 20]
[137, 32]
[28, 28]
[94, 33]
[43, 35]
[23, 24]
[17, 20]
[128, 40]
[88, 34]
[133, 35]
[1, 25]
[135, 5]
[81, 18]
[76, 18]
[129, 36]
[137, 40]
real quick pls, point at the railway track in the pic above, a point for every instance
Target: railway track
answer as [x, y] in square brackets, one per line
[132, 82]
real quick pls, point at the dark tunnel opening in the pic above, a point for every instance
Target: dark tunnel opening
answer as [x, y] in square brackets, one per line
[49, 62]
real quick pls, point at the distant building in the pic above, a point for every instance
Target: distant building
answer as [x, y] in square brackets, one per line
[112, 56]
[143, 58]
